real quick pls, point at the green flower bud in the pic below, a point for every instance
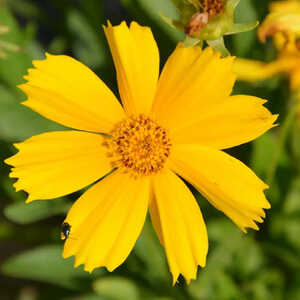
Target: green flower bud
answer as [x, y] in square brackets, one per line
[208, 20]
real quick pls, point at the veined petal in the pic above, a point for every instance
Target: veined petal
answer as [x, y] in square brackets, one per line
[244, 118]
[225, 181]
[65, 91]
[107, 220]
[192, 82]
[179, 223]
[136, 60]
[55, 164]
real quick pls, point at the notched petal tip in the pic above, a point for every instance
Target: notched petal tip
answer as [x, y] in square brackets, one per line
[30, 198]
[22, 85]
[175, 278]
[9, 160]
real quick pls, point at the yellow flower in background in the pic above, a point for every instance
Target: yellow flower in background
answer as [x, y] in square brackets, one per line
[283, 23]
[173, 125]
[287, 62]
[284, 16]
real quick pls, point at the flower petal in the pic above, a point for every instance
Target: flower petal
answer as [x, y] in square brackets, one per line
[225, 181]
[192, 82]
[65, 91]
[254, 70]
[295, 79]
[136, 60]
[244, 118]
[107, 220]
[179, 224]
[284, 16]
[55, 164]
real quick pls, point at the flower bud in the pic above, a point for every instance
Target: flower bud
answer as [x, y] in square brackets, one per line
[208, 20]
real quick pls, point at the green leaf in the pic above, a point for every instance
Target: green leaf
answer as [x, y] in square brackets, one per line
[152, 11]
[239, 28]
[283, 253]
[230, 252]
[291, 206]
[155, 267]
[267, 284]
[286, 224]
[87, 45]
[245, 13]
[295, 141]
[24, 213]
[18, 122]
[47, 265]
[262, 154]
[116, 288]
[15, 65]
[6, 184]
[24, 8]
[214, 284]
[219, 46]
[93, 296]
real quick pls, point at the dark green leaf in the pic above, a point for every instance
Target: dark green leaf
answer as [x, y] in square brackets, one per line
[87, 45]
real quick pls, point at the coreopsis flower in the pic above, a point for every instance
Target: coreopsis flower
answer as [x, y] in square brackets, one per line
[283, 24]
[167, 128]
[284, 16]
[287, 62]
[208, 20]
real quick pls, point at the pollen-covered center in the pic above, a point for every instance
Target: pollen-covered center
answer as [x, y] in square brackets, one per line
[138, 145]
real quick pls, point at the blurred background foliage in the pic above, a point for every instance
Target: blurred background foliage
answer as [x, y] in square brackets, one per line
[259, 265]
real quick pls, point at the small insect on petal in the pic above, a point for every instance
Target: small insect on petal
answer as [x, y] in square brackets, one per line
[65, 231]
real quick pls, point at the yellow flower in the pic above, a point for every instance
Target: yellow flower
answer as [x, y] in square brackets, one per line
[287, 62]
[284, 16]
[175, 125]
[283, 23]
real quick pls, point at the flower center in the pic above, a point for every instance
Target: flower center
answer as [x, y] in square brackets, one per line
[212, 7]
[139, 145]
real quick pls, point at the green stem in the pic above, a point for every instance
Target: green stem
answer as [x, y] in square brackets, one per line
[283, 134]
